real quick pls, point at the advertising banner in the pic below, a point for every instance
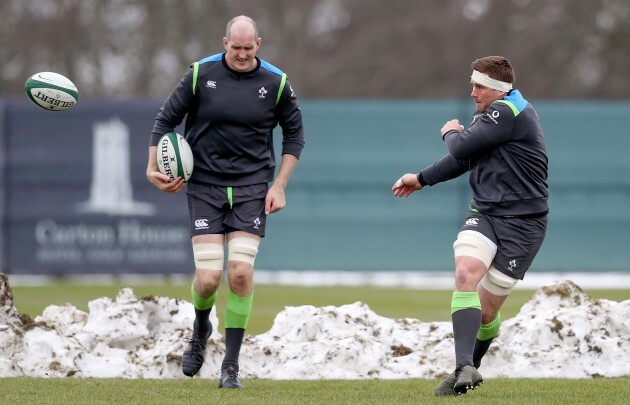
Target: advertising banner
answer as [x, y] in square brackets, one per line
[76, 195]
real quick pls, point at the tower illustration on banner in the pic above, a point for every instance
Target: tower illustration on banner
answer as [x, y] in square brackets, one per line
[111, 191]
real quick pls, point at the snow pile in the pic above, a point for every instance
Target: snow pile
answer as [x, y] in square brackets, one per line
[560, 332]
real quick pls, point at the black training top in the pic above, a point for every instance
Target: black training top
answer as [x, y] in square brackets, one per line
[504, 150]
[230, 122]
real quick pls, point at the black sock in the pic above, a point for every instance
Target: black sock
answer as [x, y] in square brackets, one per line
[202, 321]
[466, 324]
[481, 347]
[233, 341]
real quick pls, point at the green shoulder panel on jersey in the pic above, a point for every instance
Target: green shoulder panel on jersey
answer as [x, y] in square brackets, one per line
[195, 74]
[511, 105]
[282, 83]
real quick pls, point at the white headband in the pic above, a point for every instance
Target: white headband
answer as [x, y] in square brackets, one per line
[485, 80]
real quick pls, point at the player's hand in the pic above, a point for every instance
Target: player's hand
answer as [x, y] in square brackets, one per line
[407, 184]
[163, 182]
[275, 200]
[451, 125]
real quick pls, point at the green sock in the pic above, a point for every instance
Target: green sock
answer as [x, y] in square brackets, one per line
[199, 302]
[465, 299]
[489, 330]
[238, 310]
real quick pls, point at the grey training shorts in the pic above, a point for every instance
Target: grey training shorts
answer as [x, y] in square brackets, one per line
[217, 209]
[518, 239]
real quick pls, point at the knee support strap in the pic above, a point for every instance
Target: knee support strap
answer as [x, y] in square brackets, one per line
[475, 244]
[243, 249]
[208, 256]
[498, 283]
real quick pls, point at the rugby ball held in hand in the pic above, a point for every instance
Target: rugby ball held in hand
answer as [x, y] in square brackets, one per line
[174, 156]
[51, 91]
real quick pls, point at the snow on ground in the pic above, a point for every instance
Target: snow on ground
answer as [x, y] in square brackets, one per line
[559, 333]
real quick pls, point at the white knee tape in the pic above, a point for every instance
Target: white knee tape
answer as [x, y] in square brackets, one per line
[208, 256]
[475, 244]
[243, 250]
[498, 283]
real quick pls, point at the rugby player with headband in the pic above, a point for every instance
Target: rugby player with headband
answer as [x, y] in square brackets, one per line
[503, 151]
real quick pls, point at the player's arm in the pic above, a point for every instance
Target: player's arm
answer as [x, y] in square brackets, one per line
[276, 199]
[443, 170]
[171, 114]
[494, 127]
[180, 102]
[290, 120]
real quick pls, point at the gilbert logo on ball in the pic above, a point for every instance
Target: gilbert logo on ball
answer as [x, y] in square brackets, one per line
[51, 91]
[174, 156]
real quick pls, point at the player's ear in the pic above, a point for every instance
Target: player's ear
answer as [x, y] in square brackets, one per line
[258, 42]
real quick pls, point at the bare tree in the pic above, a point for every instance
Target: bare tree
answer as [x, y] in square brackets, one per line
[330, 48]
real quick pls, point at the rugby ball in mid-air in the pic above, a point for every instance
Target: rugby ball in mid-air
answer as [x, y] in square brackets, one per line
[51, 91]
[174, 156]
